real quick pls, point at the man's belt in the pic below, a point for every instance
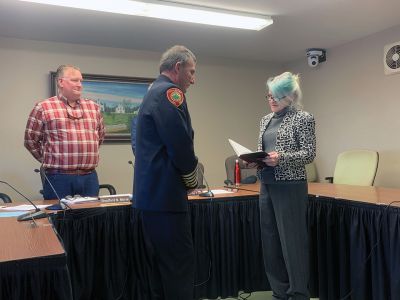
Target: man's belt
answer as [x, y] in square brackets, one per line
[69, 172]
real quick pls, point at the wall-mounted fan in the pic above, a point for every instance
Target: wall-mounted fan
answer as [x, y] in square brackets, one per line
[391, 58]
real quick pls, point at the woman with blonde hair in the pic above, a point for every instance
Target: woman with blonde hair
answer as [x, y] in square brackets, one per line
[287, 134]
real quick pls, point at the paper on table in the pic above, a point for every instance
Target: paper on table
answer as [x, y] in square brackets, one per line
[79, 199]
[23, 207]
[216, 192]
[9, 214]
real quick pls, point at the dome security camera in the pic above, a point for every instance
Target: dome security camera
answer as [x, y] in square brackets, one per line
[315, 56]
[312, 61]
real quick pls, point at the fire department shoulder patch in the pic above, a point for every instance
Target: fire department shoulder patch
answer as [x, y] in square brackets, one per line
[175, 96]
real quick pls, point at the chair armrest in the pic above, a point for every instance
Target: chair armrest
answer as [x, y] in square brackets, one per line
[109, 187]
[249, 180]
[5, 198]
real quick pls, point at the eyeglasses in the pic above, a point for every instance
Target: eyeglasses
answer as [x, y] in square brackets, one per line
[73, 80]
[269, 97]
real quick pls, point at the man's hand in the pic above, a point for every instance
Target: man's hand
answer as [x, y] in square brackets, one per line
[194, 192]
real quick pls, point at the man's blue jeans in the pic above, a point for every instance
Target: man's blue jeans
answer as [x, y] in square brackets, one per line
[70, 185]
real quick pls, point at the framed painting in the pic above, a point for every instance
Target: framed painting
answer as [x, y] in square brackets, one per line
[119, 98]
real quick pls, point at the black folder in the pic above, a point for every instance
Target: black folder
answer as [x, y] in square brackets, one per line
[254, 157]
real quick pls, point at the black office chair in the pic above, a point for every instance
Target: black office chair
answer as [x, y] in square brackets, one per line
[247, 175]
[109, 187]
[5, 198]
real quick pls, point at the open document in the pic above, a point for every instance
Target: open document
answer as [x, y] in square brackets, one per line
[248, 155]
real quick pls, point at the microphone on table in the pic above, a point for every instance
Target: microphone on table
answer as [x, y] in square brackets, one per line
[209, 193]
[56, 206]
[37, 214]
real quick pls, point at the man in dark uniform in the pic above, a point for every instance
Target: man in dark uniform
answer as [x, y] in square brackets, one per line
[165, 169]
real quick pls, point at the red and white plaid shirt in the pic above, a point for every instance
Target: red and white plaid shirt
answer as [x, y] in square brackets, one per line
[64, 137]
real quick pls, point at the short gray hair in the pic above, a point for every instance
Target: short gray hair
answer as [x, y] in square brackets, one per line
[174, 55]
[61, 69]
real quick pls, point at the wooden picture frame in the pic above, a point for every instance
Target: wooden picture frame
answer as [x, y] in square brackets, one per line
[119, 98]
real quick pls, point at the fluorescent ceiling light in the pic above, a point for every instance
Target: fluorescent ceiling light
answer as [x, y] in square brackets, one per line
[169, 11]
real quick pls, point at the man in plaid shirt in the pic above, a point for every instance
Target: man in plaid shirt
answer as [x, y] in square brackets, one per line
[64, 134]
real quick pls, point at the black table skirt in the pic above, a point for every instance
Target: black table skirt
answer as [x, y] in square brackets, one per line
[35, 279]
[107, 260]
[354, 250]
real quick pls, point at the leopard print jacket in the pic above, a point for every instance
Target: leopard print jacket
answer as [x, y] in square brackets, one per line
[295, 143]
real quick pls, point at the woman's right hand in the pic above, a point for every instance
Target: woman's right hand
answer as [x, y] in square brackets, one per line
[272, 159]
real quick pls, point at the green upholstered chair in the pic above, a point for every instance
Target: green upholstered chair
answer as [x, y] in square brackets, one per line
[311, 170]
[355, 167]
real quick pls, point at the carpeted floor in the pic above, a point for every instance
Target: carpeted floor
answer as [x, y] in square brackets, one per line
[267, 295]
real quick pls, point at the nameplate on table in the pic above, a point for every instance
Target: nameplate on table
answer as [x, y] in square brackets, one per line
[101, 199]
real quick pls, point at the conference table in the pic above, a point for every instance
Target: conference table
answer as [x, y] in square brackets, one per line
[33, 263]
[354, 246]
[107, 259]
[354, 242]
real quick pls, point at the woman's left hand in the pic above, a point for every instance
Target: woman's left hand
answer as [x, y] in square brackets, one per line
[272, 159]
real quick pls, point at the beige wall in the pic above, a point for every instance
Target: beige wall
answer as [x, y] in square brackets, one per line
[227, 101]
[355, 104]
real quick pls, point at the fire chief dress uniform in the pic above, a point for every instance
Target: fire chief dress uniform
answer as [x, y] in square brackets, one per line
[165, 168]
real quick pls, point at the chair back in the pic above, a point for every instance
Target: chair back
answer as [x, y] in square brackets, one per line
[356, 167]
[109, 187]
[245, 173]
[5, 198]
[311, 172]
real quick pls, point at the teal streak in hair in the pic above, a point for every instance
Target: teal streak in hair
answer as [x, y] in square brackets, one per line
[282, 85]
